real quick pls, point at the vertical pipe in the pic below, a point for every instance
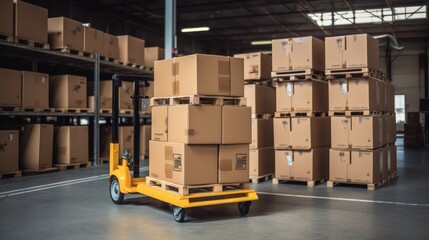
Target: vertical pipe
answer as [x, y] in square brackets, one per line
[388, 59]
[170, 28]
[136, 140]
[96, 109]
[332, 18]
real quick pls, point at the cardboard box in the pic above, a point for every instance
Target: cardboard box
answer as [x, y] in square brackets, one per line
[10, 88]
[9, 154]
[284, 93]
[261, 161]
[233, 163]
[310, 132]
[261, 98]
[236, 125]
[160, 123]
[391, 129]
[126, 139]
[335, 49]
[365, 94]
[36, 143]
[105, 140]
[152, 54]
[183, 164]
[256, 65]
[384, 156]
[31, 22]
[145, 134]
[104, 103]
[262, 133]
[339, 161]
[6, 17]
[368, 132]
[164, 78]
[71, 144]
[390, 97]
[391, 159]
[196, 124]
[110, 46]
[93, 40]
[65, 33]
[383, 96]
[131, 50]
[67, 91]
[125, 93]
[341, 126]
[338, 94]
[282, 131]
[298, 54]
[35, 90]
[310, 96]
[306, 165]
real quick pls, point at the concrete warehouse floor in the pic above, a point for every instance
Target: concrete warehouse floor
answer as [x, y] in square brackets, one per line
[75, 204]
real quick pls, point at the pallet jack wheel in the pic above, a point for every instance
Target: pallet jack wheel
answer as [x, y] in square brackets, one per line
[115, 192]
[244, 207]
[179, 213]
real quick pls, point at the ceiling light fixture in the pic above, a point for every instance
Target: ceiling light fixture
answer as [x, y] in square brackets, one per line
[265, 42]
[195, 29]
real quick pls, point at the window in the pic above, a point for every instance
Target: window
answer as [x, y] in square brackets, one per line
[400, 108]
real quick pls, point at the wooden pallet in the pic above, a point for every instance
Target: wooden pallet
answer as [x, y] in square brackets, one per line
[300, 114]
[310, 183]
[70, 51]
[10, 109]
[39, 171]
[197, 100]
[25, 109]
[13, 174]
[63, 167]
[370, 186]
[298, 75]
[355, 113]
[104, 110]
[31, 43]
[262, 115]
[126, 111]
[6, 37]
[72, 110]
[191, 189]
[88, 54]
[258, 81]
[354, 72]
[258, 179]
[110, 59]
[134, 65]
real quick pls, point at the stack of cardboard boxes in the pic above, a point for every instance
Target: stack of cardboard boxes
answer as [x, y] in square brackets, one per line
[413, 137]
[196, 143]
[361, 104]
[301, 127]
[261, 98]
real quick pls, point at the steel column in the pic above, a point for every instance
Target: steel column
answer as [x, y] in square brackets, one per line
[170, 43]
[96, 109]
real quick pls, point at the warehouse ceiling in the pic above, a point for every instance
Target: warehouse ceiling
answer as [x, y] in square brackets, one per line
[235, 24]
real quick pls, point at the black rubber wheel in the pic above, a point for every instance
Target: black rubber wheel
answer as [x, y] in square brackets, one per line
[115, 192]
[244, 207]
[179, 213]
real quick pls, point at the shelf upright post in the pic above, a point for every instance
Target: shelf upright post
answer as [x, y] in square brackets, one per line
[96, 109]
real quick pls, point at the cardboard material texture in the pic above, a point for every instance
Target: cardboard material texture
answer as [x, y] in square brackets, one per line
[65, 33]
[262, 133]
[104, 103]
[126, 139]
[335, 48]
[236, 125]
[390, 97]
[298, 54]
[10, 88]
[36, 143]
[284, 93]
[152, 54]
[67, 91]
[105, 139]
[282, 131]
[144, 139]
[384, 156]
[338, 94]
[368, 132]
[261, 98]
[233, 163]
[283, 164]
[93, 40]
[110, 46]
[125, 93]
[196, 124]
[261, 161]
[310, 96]
[35, 90]
[391, 128]
[310, 132]
[391, 159]
[71, 144]
[159, 131]
[164, 78]
[183, 164]
[9, 151]
[341, 126]
[131, 49]
[31, 22]
[6, 17]
[256, 65]
[339, 161]
[365, 94]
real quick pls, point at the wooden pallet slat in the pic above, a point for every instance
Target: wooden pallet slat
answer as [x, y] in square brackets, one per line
[310, 183]
[197, 100]
[356, 113]
[10, 109]
[31, 43]
[72, 110]
[262, 115]
[13, 174]
[355, 72]
[6, 37]
[300, 114]
[70, 51]
[370, 186]
[298, 75]
[259, 179]
[26, 109]
[62, 166]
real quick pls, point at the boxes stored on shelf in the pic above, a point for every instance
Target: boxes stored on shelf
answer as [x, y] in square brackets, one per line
[302, 96]
[67, 91]
[6, 17]
[233, 163]
[262, 133]
[131, 50]
[126, 139]
[310, 132]
[236, 125]
[10, 88]
[368, 132]
[9, 154]
[125, 92]
[93, 40]
[65, 33]
[261, 161]
[341, 126]
[71, 144]
[152, 54]
[35, 90]
[282, 129]
[31, 22]
[104, 103]
[352, 51]
[183, 164]
[110, 46]
[298, 54]
[304, 165]
[261, 98]
[256, 65]
[36, 145]
[159, 123]
[144, 139]
[195, 124]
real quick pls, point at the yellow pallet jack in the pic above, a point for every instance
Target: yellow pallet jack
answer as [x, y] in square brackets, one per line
[122, 182]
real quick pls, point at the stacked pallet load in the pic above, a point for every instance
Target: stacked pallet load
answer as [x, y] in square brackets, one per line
[260, 96]
[413, 137]
[361, 106]
[301, 124]
[200, 125]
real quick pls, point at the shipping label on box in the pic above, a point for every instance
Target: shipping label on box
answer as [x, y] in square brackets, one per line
[284, 164]
[256, 65]
[335, 48]
[338, 95]
[284, 93]
[233, 163]
[281, 52]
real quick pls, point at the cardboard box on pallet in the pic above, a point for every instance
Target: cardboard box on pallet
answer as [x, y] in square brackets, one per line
[262, 133]
[93, 40]
[159, 130]
[104, 103]
[338, 94]
[261, 161]
[391, 159]
[306, 165]
[233, 163]
[282, 131]
[236, 125]
[31, 22]
[36, 145]
[9, 154]
[256, 65]
[152, 54]
[310, 132]
[391, 128]
[390, 97]
[6, 17]
[71, 144]
[131, 50]
[35, 90]
[183, 164]
[298, 54]
[341, 126]
[302, 96]
[10, 88]
[145, 133]
[125, 93]
[284, 93]
[261, 98]
[65, 33]
[67, 91]
[368, 132]
[365, 94]
[110, 46]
